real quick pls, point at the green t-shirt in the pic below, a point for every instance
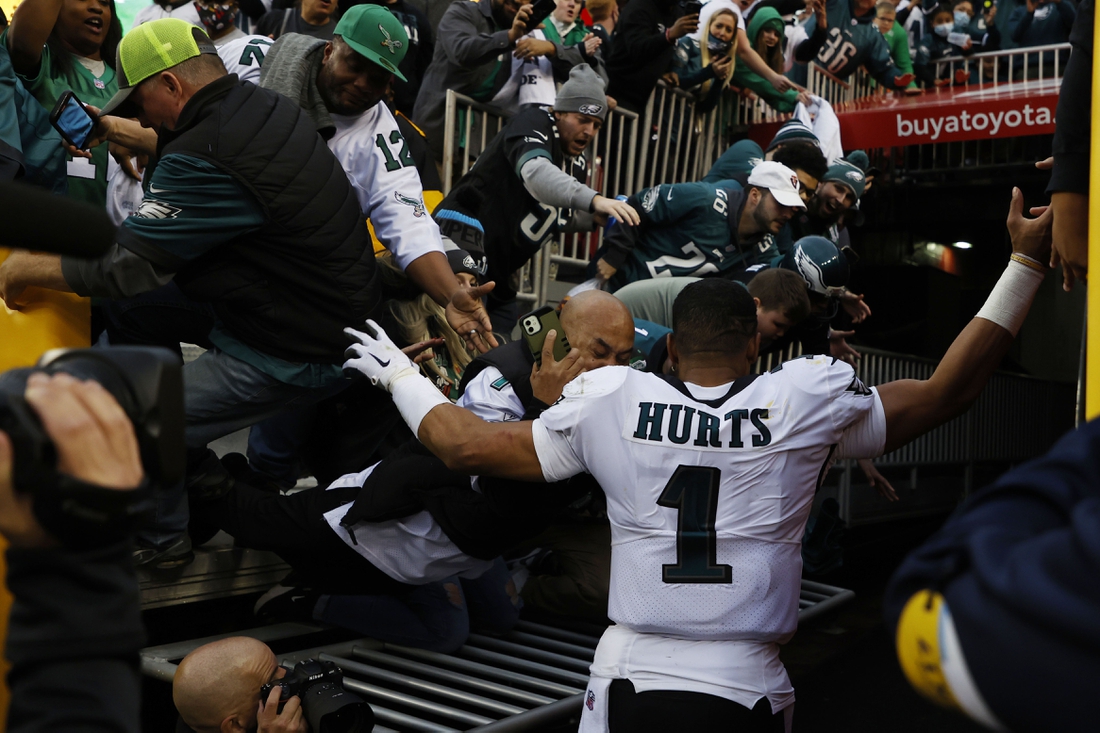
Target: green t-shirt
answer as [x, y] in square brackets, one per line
[87, 178]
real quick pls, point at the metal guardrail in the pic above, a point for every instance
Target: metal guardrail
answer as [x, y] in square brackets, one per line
[991, 429]
[1031, 64]
[530, 678]
[671, 142]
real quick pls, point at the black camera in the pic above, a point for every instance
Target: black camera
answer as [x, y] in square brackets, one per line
[328, 707]
[148, 384]
[691, 7]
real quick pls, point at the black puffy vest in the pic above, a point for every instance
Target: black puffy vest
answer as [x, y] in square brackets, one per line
[289, 288]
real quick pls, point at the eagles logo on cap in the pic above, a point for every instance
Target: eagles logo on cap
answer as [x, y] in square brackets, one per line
[855, 176]
[389, 42]
[590, 109]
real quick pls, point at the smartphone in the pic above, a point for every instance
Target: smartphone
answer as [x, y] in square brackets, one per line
[540, 11]
[73, 120]
[535, 325]
[691, 7]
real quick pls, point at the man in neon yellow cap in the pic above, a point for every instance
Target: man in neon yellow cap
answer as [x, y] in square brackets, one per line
[249, 240]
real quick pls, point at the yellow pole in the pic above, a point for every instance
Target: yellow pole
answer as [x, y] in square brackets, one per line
[1092, 355]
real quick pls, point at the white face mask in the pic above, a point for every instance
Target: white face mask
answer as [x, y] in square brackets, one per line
[944, 29]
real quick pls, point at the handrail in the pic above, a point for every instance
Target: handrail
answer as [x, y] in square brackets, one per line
[990, 61]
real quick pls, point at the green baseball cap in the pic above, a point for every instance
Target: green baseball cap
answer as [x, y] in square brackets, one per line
[374, 32]
[149, 49]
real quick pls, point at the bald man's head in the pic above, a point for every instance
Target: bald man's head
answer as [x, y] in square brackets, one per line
[220, 683]
[600, 325]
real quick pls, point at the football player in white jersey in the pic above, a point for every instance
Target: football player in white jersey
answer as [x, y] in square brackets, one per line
[709, 477]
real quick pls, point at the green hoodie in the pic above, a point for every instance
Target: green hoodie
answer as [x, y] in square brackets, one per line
[745, 77]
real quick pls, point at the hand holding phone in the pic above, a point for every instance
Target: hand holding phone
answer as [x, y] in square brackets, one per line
[535, 325]
[73, 120]
[540, 11]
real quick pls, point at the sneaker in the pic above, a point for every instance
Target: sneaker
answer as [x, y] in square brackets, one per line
[286, 603]
[164, 557]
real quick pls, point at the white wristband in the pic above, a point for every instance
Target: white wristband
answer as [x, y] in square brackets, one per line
[1011, 298]
[415, 396]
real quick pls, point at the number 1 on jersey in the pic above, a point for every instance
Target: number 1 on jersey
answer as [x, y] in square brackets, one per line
[693, 490]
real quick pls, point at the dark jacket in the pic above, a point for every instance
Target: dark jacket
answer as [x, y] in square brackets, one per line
[73, 641]
[1049, 24]
[1071, 146]
[1017, 567]
[290, 288]
[483, 523]
[640, 51]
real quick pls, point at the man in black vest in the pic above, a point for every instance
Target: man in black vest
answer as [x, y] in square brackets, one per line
[248, 241]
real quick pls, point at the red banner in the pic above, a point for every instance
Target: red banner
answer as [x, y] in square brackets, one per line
[944, 115]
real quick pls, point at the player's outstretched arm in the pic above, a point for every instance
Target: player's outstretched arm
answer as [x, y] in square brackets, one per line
[913, 407]
[464, 441]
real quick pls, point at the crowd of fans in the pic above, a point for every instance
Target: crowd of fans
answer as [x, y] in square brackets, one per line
[241, 204]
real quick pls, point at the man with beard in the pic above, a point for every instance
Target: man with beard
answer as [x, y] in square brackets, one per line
[837, 193]
[700, 229]
[340, 85]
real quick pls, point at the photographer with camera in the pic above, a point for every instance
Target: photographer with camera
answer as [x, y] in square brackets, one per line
[75, 629]
[236, 684]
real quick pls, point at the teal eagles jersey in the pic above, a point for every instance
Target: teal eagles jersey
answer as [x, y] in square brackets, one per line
[686, 229]
[853, 43]
[87, 178]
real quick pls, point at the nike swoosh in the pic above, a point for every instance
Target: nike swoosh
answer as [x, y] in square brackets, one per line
[154, 189]
[385, 363]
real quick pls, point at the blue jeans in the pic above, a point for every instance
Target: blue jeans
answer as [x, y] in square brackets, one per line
[221, 393]
[437, 616]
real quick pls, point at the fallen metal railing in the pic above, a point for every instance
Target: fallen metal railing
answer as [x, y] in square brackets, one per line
[526, 680]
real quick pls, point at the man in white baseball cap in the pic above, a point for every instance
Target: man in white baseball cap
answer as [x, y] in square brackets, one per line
[700, 229]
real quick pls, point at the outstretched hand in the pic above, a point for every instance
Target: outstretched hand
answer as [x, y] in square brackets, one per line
[854, 306]
[877, 480]
[466, 314]
[376, 357]
[1030, 237]
[548, 381]
[839, 348]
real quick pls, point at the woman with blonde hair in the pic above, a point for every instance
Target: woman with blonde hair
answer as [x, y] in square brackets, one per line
[705, 65]
[413, 317]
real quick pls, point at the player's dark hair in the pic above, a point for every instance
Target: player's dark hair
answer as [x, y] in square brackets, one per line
[800, 154]
[713, 315]
[781, 290]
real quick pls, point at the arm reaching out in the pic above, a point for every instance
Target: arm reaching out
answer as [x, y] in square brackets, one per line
[464, 441]
[914, 407]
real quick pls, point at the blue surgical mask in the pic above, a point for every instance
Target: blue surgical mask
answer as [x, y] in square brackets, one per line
[716, 47]
[962, 20]
[944, 29]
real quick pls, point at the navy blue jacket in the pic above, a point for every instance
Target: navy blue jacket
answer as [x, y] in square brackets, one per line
[1018, 566]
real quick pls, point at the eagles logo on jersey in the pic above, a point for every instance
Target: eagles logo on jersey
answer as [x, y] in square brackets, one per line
[416, 204]
[153, 209]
